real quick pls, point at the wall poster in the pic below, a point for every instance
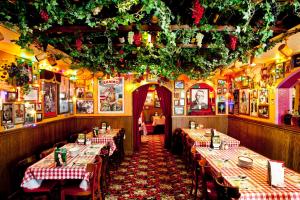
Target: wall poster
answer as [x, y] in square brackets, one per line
[111, 95]
[50, 99]
[244, 102]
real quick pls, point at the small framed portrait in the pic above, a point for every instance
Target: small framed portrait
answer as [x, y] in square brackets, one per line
[50, 99]
[19, 113]
[182, 94]
[245, 81]
[63, 106]
[231, 107]
[7, 114]
[157, 104]
[263, 96]
[221, 82]
[176, 102]
[224, 91]
[178, 110]
[29, 113]
[181, 102]
[253, 107]
[85, 106]
[221, 108]
[38, 107]
[11, 96]
[254, 94]
[176, 94]
[71, 107]
[39, 117]
[80, 92]
[149, 99]
[219, 90]
[263, 111]
[32, 95]
[244, 102]
[199, 98]
[179, 84]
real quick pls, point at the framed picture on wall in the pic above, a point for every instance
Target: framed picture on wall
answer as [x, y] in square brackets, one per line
[7, 114]
[219, 90]
[231, 107]
[176, 102]
[178, 110]
[85, 106]
[179, 84]
[157, 104]
[11, 96]
[29, 113]
[38, 107]
[221, 108]
[32, 95]
[263, 111]
[50, 99]
[19, 113]
[199, 99]
[149, 99]
[80, 92]
[181, 102]
[177, 94]
[263, 96]
[253, 108]
[244, 102]
[39, 117]
[71, 107]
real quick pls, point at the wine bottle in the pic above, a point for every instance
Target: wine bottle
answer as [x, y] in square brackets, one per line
[212, 134]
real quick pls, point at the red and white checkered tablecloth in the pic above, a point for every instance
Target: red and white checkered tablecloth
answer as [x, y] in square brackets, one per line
[46, 169]
[198, 135]
[105, 139]
[224, 162]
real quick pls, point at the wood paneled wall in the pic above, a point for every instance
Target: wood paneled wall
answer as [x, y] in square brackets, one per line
[16, 144]
[220, 122]
[125, 122]
[273, 141]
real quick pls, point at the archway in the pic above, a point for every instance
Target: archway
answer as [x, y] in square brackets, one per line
[284, 94]
[138, 100]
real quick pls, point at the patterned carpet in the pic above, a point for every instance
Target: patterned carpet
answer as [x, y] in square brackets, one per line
[153, 173]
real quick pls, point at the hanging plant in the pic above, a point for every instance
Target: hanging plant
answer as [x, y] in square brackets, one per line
[198, 12]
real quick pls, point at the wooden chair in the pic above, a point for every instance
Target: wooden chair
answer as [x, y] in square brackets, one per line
[46, 188]
[122, 152]
[225, 192]
[105, 175]
[177, 141]
[73, 189]
[46, 152]
[60, 144]
[115, 158]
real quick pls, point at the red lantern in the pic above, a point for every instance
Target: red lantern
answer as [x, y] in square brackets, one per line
[78, 44]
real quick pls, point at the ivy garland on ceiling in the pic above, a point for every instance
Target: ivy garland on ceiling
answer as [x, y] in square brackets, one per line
[164, 57]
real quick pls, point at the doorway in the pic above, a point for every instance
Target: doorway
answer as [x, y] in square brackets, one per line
[151, 113]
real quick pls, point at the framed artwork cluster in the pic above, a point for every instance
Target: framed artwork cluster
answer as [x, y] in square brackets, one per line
[179, 97]
[84, 93]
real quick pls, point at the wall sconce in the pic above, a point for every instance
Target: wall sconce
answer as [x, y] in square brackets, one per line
[285, 50]
[211, 96]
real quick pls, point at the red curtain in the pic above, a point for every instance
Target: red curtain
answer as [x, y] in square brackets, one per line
[165, 97]
[138, 98]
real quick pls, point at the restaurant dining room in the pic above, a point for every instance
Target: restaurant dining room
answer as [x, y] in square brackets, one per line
[150, 99]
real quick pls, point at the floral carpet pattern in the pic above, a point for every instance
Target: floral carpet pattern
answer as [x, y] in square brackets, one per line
[153, 173]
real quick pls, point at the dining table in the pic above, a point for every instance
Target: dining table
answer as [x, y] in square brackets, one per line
[201, 137]
[107, 138]
[252, 180]
[74, 168]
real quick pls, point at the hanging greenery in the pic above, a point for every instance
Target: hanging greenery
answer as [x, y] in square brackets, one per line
[165, 54]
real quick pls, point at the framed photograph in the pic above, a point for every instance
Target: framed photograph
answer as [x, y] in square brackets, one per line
[39, 117]
[50, 99]
[177, 94]
[263, 111]
[244, 102]
[253, 108]
[221, 82]
[157, 104]
[85, 106]
[224, 91]
[219, 90]
[38, 107]
[254, 94]
[221, 107]
[181, 102]
[176, 102]
[64, 88]
[63, 106]
[32, 95]
[279, 70]
[111, 95]
[287, 67]
[179, 84]
[182, 94]
[199, 99]
[18, 113]
[29, 113]
[7, 114]
[80, 92]
[231, 107]
[89, 88]
[178, 110]
[149, 99]
[245, 81]
[263, 97]
[89, 95]
[11, 96]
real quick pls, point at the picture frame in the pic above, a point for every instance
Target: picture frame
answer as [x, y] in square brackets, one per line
[71, 107]
[79, 92]
[89, 88]
[64, 88]
[231, 107]
[221, 82]
[263, 97]
[72, 89]
[224, 91]
[219, 90]
[157, 103]
[254, 94]
[85, 106]
[32, 95]
[38, 107]
[177, 94]
[149, 99]
[182, 94]
[7, 114]
[29, 113]
[179, 84]
[63, 106]
[178, 110]
[89, 95]
[111, 95]
[181, 102]
[18, 113]
[263, 111]
[11, 96]
[221, 107]
[50, 99]
[245, 81]
[199, 99]
[176, 102]
[244, 102]
[254, 107]
[39, 117]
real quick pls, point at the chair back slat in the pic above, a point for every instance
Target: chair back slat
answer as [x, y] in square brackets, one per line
[226, 192]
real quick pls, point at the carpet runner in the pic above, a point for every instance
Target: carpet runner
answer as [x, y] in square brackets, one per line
[153, 173]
